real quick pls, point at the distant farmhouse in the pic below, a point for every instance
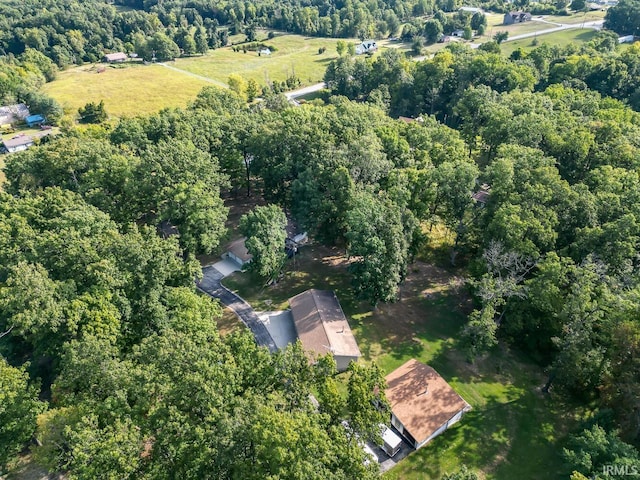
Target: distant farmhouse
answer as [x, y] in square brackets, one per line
[323, 328]
[516, 17]
[17, 144]
[423, 404]
[117, 57]
[368, 46]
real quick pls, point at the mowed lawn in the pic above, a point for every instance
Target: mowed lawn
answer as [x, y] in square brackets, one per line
[295, 54]
[561, 39]
[127, 91]
[513, 429]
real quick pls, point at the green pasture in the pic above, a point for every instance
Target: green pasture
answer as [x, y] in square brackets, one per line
[127, 90]
[561, 39]
[295, 54]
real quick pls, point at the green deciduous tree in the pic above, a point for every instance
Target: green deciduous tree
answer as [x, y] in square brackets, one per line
[264, 228]
[366, 401]
[19, 407]
[378, 244]
[624, 18]
[201, 41]
[238, 85]
[591, 451]
[93, 113]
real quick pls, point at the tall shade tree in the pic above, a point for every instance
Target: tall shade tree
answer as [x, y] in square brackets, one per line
[378, 245]
[19, 408]
[265, 229]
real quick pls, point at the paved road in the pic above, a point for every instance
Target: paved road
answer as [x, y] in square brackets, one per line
[211, 285]
[194, 75]
[305, 90]
[597, 25]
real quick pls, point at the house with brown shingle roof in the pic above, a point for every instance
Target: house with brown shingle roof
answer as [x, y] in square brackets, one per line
[423, 404]
[237, 251]
[323, 328]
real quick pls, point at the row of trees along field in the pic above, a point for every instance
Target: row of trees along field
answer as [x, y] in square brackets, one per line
[164, 30]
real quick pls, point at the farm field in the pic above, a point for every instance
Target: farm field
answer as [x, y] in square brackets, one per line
[561, 39]
[495, 25]
[126, 91]
[295, 54]
[578, 17]
[510, 417]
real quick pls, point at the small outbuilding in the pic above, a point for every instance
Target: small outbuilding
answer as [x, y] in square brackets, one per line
[238, 252]
[117, 57]
[368, 46]
[471, 10]
[323, 328]
[423, 404]
[35, 120]
[18, 144]
[481, 197]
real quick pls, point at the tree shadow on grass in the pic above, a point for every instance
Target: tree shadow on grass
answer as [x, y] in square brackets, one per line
[324, 61]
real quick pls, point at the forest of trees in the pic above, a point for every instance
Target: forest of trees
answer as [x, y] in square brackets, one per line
[553, 252]
[110, 358]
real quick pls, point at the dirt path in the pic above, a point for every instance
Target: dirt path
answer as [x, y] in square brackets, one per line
[194, 75]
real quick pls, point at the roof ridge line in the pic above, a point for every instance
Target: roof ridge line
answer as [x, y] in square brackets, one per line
[322, 322]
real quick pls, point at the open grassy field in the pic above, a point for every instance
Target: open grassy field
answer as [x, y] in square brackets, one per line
[561, 39]
[127, 91]
[513, 429]
[494, 25]
[577, 17]
[295, 54]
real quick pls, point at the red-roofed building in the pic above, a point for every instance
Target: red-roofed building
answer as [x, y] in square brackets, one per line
[423, 404]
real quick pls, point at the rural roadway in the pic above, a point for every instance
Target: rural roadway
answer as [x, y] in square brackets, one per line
[195, 75]
[211, 285]
[596, 25]
[293, 94]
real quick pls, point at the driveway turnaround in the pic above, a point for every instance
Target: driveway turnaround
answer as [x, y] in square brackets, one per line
[211, 285]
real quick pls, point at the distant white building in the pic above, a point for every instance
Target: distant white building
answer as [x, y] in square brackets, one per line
[368, 46]
[626, 39]
[470, 10]
[18, 143]
[264, 51]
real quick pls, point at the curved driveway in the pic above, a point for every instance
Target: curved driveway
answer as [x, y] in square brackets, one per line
[210, 284]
